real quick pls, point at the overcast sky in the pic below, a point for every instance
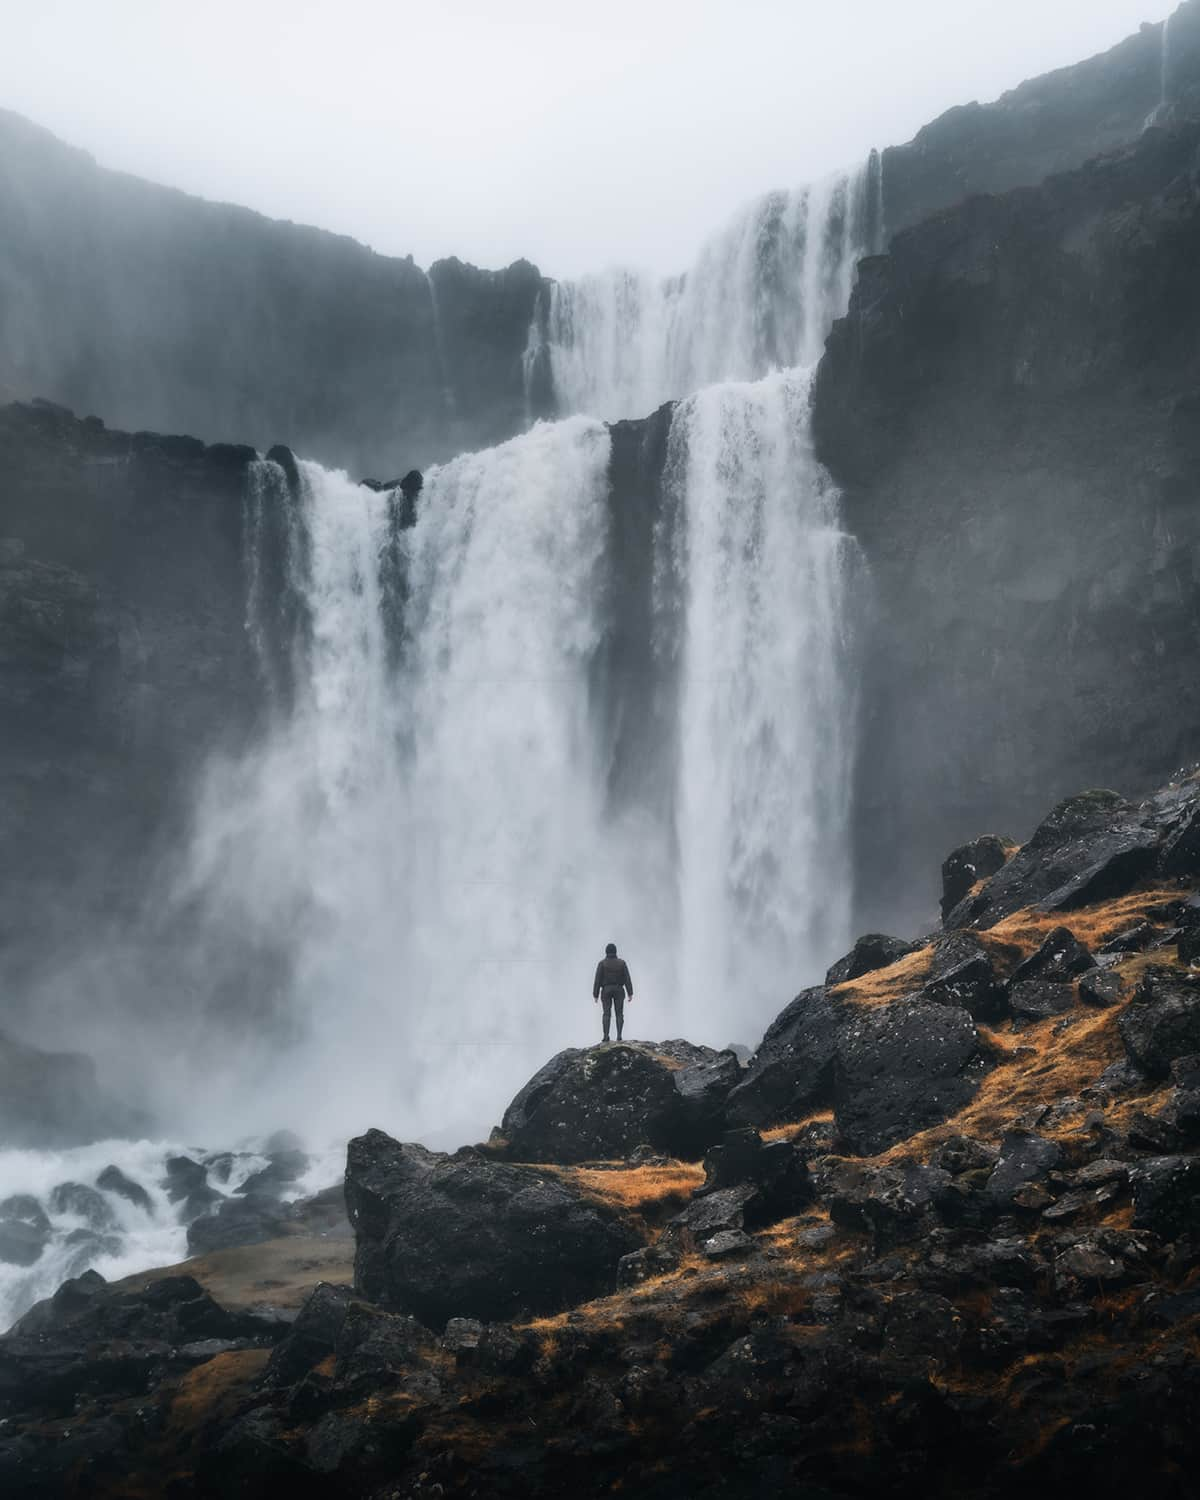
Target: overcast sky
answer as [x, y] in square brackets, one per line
[575, 135]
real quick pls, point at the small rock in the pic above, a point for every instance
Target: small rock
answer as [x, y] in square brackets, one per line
[727, 1243]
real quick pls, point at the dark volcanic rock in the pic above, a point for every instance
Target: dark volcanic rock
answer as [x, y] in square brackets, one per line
[895, 1204]
[1166, 1195]
[1060, 958]
[776, 1171]
[901, 1068]
[1092, 847]
[460, 1236]
[1024, 1158]
[962, 973]
[1035, 999]
[966, 866]
[113, 1180]
[1162, 1021]
[24, 1229]
[249, 1220]
[1101, 987]
[604, 1102]
[874, 951]
[791, 1073]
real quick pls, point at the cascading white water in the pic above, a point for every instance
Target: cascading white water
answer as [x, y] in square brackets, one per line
[760, 296]
[425, 837]
[428, 833]
[405, 885]
[767, 705]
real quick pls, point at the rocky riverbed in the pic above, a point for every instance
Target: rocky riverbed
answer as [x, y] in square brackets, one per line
[940, 1236]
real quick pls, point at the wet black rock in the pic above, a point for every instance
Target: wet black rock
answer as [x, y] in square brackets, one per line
[791, 1073]
[970, 863]
[1188, 946]
[874, 951]
[601, 1103]
[896, 1204]
[776, 1171]
[251, 1219]
[962, 973]
[91, 1340]
[1024, 1158]
[1035, 999]
[1166, 1195]
[1162, 1021]
[1092, 847]
[113, 1180]
[1059, 959]
[24, 1230]
[901, 1068]
[186, 1182]
[1101, 988]
[1135, 939]
[83, 1202]
[461, 1236]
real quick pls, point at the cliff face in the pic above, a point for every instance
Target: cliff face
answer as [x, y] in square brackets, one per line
[1012, 406]
[1047, 125]
[161, 311]
[123, 654]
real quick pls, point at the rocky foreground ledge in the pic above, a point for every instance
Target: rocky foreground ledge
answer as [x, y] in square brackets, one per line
[940, 1237]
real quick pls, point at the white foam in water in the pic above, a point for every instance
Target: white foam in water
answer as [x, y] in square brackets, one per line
[145, 1239]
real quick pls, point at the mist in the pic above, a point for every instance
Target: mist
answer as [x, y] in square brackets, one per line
[575, 139]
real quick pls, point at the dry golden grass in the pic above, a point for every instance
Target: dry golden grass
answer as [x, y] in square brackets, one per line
[792, 1132]
[1035, 1067]
[214, 1388]
[882, 986]
[1026, 930]
[650, 1193]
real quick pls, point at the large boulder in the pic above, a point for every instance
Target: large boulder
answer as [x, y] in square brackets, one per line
[873, 951]
[964, 867]
[464, 1236]
[1166, 1195]
[962, 973]
[1059, 959]
[1092, 847]
[792, 1071]
[901, 1068]
[1162, 1021]
[602, 1103]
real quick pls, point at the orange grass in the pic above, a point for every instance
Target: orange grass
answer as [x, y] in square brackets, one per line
[1027, 929]
[792, 1132]
[1037, 1066]
[651, 1192]
[882, 986]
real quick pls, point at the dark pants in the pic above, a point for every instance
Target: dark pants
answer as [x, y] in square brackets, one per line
[612, 995]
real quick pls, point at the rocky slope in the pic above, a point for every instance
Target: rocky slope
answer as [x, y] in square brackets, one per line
[956, 1253]
[1012, 407]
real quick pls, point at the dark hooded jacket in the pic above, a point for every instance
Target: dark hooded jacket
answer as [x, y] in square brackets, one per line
[612, 973]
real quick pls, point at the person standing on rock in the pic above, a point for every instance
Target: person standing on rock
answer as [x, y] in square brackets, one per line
[610, 986]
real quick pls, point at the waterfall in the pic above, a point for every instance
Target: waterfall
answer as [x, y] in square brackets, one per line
[760, 297]
[767, 706]
[428, 851]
